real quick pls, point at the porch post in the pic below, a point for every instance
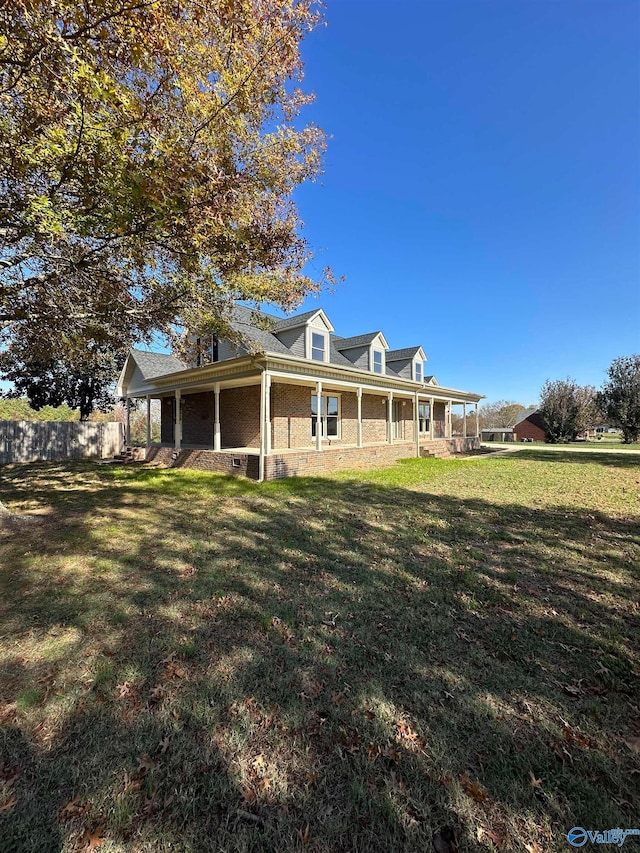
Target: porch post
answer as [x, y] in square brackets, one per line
[216, 417]
[128, 424]
[449, 418]
[148, 420]
[477, 422]
[267, 415]
[318, 416]
[464, 420]
[431, 414]
[359, 415]
[390, 418]
[416, 423]
[178, 429]
[263, 386]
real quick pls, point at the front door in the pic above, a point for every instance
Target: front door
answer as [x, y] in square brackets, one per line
[397, 419]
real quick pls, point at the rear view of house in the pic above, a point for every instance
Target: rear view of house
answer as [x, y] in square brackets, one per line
[296, 398]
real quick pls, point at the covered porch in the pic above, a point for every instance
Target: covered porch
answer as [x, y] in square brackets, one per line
[268, 421]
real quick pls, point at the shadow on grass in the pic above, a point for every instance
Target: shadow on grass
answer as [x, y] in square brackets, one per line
[212, 664]
[621, 459]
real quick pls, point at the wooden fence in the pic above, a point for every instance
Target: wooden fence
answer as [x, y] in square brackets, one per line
[54, 441]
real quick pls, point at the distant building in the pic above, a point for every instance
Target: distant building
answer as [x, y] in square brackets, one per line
[529, 426]
[498, 434]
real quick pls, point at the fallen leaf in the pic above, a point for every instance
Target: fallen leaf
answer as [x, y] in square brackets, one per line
[304, 834]
[8, 804]
[163, 745]
[92, 840]
[533, 848]
[74, 807]
[535, 783]
[633, 743]
[475, 790]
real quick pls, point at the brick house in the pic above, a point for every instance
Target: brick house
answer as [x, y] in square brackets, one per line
[529, 426]
[296, 398]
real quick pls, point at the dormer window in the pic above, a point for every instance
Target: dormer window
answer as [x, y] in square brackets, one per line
[418, 371]
[377, 361]
[318, 346]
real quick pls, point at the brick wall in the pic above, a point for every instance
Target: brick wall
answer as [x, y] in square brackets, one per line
[240, 416]
[532, 427]
[197, 418]
[166, 420]
[374, 418]
[310, 463]
[439, 420]
[291, 417]
[245, 464]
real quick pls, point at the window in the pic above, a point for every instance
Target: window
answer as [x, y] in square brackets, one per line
[424, 414]
[329, 415]
[377, 361]
[318, 346]
[209, 355]
[418, 371]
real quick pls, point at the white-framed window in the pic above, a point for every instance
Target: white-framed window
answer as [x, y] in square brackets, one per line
[418, 371]
[318, 346]
[329, 415]
[424, 416]
[378, 361]
[208, 355]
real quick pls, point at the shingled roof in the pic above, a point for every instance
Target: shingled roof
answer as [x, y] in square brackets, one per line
[401, 354]
[355, 341]
[152, 364]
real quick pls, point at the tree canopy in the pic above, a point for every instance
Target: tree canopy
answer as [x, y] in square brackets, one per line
[567, 409]
[148, 152]
[619, 399]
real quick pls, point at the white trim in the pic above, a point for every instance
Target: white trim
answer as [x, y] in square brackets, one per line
[148, 420]
[177, 429]
[318, 415]
[261, 416]
[390, 417]
[359, 404]
[267, 415]
[328, 393]
[372, 364]
[217, 443]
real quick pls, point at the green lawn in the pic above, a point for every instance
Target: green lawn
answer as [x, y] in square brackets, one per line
[195, 663]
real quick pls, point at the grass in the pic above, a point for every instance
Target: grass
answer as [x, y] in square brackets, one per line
[364, 662]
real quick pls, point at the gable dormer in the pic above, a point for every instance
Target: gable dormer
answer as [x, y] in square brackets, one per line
[407, 363]
[366, 352]
[306, 335]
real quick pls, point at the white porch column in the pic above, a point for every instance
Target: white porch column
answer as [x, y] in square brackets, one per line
[263, 385]
[178, 427]
[267, 415]
[390, 418]
[477, 423]
[128, 422]
[431, 413]
[464, 420]
[449, 430]
[359, 416]
[148, 420]
[216, 417]
[416, 423]
[318, 416]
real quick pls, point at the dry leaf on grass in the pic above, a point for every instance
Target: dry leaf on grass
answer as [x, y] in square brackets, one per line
[8, 804]
[304, 834]
[92, 840]
[475, 790]
[535, 783]
[633, 743]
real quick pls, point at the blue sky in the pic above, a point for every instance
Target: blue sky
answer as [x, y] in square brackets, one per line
[481, 186]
